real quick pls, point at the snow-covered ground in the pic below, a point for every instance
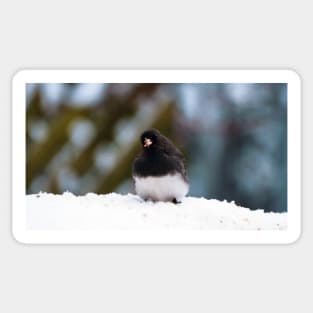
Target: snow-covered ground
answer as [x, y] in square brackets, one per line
[116, 211]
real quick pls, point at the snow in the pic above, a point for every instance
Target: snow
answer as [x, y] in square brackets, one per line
[116, 211]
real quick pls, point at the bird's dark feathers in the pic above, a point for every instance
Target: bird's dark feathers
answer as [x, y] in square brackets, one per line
[160, 158]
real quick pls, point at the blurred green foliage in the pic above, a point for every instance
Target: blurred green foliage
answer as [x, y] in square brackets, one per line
[111, 109]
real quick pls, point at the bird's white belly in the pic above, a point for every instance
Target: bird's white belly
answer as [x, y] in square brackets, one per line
[164, 188]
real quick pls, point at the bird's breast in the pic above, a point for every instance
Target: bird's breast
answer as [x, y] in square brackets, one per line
[161, 188]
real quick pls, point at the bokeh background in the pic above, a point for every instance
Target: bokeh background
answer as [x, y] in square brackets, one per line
[83, 137]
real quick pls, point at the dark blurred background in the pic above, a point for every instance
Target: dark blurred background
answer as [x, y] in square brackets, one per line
[84, 137]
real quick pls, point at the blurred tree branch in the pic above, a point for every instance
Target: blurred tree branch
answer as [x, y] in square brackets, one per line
[58, 135]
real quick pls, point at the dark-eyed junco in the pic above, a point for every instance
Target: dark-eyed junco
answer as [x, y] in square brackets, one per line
[159, 171]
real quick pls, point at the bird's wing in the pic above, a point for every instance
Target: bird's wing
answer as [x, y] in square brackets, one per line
[169, 148]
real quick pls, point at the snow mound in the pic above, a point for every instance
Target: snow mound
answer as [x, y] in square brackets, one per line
[116, 211]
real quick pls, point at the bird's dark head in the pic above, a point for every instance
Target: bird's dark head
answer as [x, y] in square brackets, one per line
[150, 138]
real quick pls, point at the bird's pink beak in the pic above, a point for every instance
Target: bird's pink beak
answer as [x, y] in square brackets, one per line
[147, 142]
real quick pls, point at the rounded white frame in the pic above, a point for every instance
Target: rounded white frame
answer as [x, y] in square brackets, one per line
[24, 235]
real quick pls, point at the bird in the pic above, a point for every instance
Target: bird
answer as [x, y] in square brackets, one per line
[159, 172]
